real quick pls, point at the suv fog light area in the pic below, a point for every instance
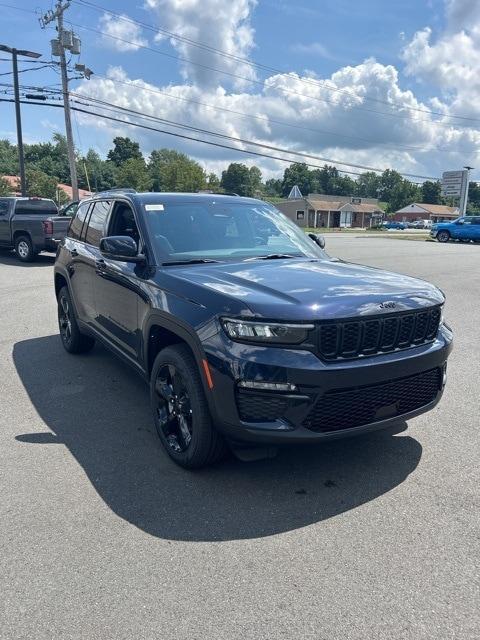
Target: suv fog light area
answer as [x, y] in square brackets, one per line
[267, 386]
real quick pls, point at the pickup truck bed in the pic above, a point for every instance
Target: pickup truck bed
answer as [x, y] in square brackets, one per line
[31, 225]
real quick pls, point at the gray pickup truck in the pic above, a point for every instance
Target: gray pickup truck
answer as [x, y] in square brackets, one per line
[31, 225]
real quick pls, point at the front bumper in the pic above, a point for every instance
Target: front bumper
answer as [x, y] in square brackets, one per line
[289, 419]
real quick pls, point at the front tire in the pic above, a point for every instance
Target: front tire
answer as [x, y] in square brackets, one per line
[72, 339]
[180, 410]
[24, 249]
[443, 236]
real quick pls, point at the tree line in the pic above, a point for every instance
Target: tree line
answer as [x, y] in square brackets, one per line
[170, 170]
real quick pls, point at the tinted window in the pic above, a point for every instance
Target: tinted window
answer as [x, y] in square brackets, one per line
[76, 224]
[4, 207]
[97, 222]
[29, 207]
[224, 230]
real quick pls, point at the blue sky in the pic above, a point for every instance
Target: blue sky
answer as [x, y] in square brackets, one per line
[395, 56]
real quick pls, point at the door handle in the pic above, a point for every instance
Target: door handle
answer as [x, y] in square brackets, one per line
[73, 253]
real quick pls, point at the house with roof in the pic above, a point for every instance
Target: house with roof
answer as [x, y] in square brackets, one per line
[14, 182]
[319, 210]
[424, 211]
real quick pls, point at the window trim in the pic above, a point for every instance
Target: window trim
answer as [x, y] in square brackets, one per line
[302, 211]
[79, 239]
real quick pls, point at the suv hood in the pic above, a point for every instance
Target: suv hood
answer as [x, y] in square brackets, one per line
[305, 289]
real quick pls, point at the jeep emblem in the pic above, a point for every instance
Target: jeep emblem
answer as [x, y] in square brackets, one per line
[387, 305]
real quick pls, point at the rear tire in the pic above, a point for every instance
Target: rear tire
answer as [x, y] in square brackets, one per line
[180, 410]
[72, 339]
[24, 249]
[443, 236]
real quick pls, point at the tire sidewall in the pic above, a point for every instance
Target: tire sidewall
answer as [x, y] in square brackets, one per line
[201, 419]
[30, 255]
[443, 236]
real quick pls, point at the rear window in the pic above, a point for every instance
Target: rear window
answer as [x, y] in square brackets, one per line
[29, 207]
[4, 207]
[97, 222]
[75, 229]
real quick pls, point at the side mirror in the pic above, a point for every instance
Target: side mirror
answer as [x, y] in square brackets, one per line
[121, 248]
[320, 240]
[459, 222]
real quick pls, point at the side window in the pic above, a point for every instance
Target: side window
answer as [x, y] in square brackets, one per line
[75, 229]
[3, 207]
[300, 215]
[96, 223]
[122, 222]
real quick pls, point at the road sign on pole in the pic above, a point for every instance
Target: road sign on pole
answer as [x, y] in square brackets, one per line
[453, 183]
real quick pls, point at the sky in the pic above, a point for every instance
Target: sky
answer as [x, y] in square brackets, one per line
[377, 83]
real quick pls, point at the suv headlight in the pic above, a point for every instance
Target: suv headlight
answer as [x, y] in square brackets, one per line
[265, 332]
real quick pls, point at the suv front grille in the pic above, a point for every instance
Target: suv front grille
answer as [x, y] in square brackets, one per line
[345, 409]
[346, 339]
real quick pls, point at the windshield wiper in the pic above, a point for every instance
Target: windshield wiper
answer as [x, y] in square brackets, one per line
[192, 261]
[272, 256]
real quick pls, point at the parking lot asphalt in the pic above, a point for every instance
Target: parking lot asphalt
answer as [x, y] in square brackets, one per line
[101, 536]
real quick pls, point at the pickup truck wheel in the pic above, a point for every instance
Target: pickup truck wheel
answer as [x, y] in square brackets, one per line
[24, 249]
[72, 339]
[443, 236]
[180, 410]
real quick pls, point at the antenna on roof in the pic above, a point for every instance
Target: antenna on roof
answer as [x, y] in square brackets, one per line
[295, 193]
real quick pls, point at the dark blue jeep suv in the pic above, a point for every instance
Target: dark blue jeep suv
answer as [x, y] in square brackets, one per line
[245, 329]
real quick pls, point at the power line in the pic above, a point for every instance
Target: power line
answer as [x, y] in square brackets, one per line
[191, 138]
[271, 120]
[259, 65]
[261, 83]
[112, 106]
[257, 82]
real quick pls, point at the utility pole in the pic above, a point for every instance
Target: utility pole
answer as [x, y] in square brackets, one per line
[464, 196]
[18, 117]
[66, 40]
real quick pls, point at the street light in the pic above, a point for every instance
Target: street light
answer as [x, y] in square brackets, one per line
[21, 158]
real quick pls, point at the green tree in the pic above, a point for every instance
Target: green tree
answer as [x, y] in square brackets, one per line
[133, 174]
[124, 149]
[213, 182]
[473, 205]
[41, 185]
[255, 179]
[237, 179]
[431, 192]
[8, 158]
[174, 171]
[403, 193]
[273, 188]
[368, 185]
[297, 174]
[389, 181]
[101, 173]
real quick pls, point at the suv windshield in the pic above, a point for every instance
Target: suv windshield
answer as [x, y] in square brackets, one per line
[224, 231]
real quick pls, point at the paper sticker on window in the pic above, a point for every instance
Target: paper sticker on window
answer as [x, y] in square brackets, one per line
[154, 207]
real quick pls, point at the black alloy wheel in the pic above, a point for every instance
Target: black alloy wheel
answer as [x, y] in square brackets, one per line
[174, 411]
[180, 409]
[73, 340]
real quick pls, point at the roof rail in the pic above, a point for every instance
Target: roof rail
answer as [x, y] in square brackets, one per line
[116, 190]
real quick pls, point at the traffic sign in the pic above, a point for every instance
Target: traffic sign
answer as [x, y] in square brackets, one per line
[453, 183]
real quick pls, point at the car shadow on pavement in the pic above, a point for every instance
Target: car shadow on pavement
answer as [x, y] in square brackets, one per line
[99, 409]
[9, 258]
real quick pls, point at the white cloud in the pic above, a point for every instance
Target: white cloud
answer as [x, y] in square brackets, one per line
[221, 25]
[360, 114]
[124, 34]
[450, 60]
[314, 49]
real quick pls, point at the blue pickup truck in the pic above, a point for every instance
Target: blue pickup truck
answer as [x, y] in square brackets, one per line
[464, 229]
